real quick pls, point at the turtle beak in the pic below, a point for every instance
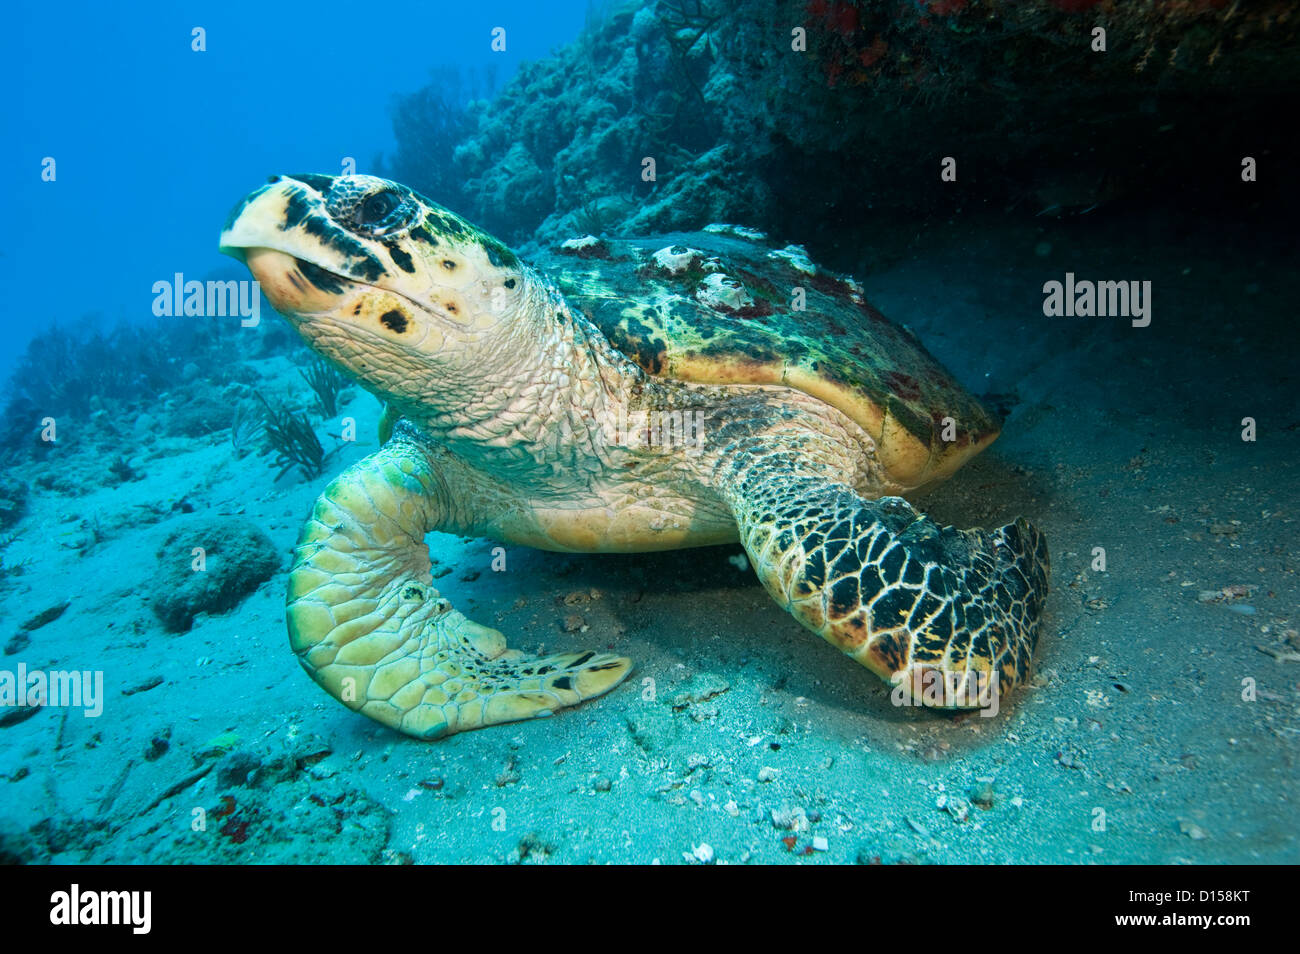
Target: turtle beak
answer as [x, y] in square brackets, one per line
[262, 232]
[262, 218]
[258, 219]
[285, 284]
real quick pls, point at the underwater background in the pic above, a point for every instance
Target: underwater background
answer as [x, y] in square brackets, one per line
[955, 156]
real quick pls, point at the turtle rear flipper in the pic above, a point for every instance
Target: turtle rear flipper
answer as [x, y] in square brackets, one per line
[947, 615]
[367, 625]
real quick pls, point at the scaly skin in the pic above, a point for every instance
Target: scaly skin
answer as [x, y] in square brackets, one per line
[507, 395]
[367, 625]
[928, 608]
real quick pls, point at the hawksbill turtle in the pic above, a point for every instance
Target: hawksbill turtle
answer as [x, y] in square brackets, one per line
[620, 396]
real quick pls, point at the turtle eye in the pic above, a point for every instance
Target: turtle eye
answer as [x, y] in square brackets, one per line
[378, 207]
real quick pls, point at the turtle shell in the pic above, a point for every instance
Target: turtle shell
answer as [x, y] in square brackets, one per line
[722, 307]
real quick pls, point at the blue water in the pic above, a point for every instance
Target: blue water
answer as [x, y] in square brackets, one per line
[154, 142]
[1158, 456]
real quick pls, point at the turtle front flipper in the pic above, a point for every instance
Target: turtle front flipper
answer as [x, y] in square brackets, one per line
[367, 625]
[949, 616]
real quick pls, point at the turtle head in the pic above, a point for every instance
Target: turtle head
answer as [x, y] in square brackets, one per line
[412, 299]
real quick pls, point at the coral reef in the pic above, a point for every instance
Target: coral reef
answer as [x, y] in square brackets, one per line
[276, 804]
[429, 125]
[237, 557]
[810, 143]
[327, 383]
[196, 409]
[293, 440]
[166, 376]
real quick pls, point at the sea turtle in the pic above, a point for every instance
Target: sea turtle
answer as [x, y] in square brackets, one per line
[620, 396]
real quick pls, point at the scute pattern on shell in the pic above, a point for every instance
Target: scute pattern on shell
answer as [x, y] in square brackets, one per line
[662, 310]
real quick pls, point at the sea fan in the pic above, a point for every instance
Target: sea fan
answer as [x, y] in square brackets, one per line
[293, 440]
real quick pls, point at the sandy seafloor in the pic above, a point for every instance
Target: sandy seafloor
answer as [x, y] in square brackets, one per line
[1133, 744]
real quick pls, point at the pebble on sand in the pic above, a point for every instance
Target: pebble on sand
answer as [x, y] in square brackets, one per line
[789, 819]
[1192, 830]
